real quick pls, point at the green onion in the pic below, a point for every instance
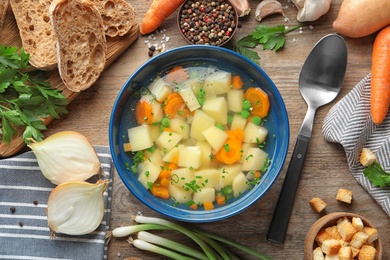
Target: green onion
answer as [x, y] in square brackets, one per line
[143, 245]
[128, 230]
[163, 222]
[157, 240]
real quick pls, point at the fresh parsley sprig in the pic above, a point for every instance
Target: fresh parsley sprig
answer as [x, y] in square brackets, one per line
[25, 96]
[377, 175]
[272, 38]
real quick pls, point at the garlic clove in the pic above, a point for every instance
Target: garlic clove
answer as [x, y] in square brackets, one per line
[268, 7]
[242, 6]
[66, 156]
[76, 207]
[311, 10]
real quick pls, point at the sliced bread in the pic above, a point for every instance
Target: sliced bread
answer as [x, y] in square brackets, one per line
[118, 16]
[32, 18]
[81, 42]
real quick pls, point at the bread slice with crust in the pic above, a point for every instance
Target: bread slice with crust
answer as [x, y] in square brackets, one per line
[118, 16]
[32, 18]
[81, 42]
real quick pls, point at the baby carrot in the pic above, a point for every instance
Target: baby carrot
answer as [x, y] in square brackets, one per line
[158, 11]
[259, 100]
[380, 76]
[237, 82]
[144, 112]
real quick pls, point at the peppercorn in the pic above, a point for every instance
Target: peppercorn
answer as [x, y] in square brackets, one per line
[12, 209]
[207, 22]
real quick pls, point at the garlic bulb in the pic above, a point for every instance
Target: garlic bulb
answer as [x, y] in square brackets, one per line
[66, 156]
[311, 10]
[76, 207]
[268, 7]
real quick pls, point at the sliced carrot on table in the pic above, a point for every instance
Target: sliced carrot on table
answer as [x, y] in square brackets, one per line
[144, 112]
[177, 75]
[160, 191]
[174, 105]
[380, 76]
[259, 100]
[237, 82]
[158, 11]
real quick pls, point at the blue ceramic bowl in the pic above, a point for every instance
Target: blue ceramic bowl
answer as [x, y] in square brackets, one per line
[123, 118]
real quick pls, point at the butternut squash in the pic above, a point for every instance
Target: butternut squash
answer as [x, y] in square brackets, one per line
[360, 18]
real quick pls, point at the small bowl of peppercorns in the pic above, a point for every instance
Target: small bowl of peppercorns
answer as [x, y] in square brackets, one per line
[207, 22]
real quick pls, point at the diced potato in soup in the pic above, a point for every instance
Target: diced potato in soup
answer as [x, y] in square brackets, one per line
[194, 133]
[137, 143]
[218, 83]
[255, 133]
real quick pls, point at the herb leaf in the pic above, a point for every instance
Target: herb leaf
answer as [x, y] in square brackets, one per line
[377, 175]
[25, 96]
[272, 38]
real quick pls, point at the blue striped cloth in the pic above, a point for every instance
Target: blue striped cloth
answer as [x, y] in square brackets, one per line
[23, 224]
[349, 123]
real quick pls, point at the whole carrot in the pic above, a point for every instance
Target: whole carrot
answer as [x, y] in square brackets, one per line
[157, 13]
[380, 76]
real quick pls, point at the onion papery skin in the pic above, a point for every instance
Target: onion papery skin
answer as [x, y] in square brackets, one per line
[66, 156]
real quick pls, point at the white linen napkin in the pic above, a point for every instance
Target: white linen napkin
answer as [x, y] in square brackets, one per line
[349, 123]
[24, 234]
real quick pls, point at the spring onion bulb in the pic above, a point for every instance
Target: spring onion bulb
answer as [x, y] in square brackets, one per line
[143, 245]
[66, 156]
[163, 222]
[76, 208]
[161, 241]
[128, 230]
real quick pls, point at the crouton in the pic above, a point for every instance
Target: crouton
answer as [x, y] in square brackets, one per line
[331, 246]
[372, 234]
[317, 204]
[345, 253]
[344, 195]
[367, 253]
[358, 239]
[317, 254]
[367, 157]
[357, 223]
[333, 231]
[346, 230]
[321, 236]
[332, 257]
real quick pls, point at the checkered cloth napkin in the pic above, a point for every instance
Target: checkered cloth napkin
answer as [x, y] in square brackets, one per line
[349, 123]
[24, 234]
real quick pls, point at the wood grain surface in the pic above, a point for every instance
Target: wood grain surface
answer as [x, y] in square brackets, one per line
[325, 169]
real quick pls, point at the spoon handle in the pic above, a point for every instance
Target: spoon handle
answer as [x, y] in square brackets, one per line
[281, 217]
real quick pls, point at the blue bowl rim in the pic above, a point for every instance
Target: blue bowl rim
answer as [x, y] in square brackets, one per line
[228, 210]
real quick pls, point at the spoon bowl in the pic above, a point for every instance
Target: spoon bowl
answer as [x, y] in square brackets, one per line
[320, 82]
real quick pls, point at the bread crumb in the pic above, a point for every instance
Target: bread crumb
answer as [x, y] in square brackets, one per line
[367, 157]
[317, 204]
[344, 195]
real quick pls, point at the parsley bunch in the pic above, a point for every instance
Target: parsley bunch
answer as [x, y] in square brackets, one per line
[272, 38]
[377, 175]
[25, 97]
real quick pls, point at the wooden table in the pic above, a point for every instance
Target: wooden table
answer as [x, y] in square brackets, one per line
[325, 169]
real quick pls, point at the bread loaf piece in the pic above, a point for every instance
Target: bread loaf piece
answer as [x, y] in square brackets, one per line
[3, 12]
[81, 42]
[118, 16]
[32, 18]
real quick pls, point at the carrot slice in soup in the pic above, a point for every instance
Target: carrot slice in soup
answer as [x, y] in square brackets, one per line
[144, 112]
[259, 100]
[174, 105]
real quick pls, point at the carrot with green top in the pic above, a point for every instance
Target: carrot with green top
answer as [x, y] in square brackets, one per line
[259, 100]
[158, 11]
[380, 76]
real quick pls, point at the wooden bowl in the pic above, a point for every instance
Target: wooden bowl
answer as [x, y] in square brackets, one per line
[331, 220]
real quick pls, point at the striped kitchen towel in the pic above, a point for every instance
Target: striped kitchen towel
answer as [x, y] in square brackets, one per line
[349, 123]
[23, 224]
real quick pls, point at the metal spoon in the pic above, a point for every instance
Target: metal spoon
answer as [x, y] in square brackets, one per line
[320, 81]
